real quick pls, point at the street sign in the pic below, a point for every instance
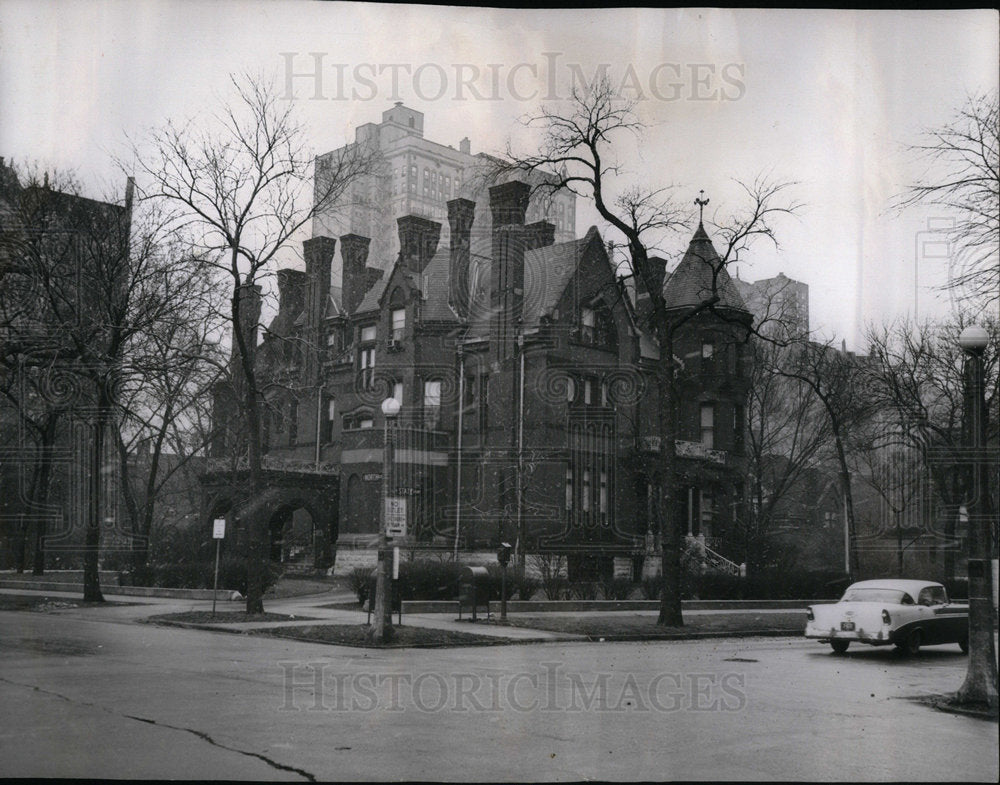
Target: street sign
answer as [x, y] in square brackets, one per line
[395, 517]
[219, 529]
[371, 476]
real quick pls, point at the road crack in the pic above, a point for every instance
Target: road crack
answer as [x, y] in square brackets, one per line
[200, 734]
[205, 737]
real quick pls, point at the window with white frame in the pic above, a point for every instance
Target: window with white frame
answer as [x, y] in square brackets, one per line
[398, 323]
[432, 403]
[588, 319]
[708, 425]
[327, 428]
[367, 367]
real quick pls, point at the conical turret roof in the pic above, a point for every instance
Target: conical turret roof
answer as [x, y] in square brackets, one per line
[699, 276]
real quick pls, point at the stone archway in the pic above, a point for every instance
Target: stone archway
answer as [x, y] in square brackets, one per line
[273, 503]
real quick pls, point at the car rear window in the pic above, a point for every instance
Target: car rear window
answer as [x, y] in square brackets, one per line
[894, 596]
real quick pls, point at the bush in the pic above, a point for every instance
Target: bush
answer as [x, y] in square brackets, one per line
[583, 590]
[527, 586]
[652, 587]
[200, 575]
[550, 566]
[428, 580]
[358, 580]
[616, 588]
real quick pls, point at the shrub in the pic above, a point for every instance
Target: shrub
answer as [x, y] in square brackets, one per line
[495, 581]
[200, 575]
[652, 587]
[527, 586]
[583, 590]
[616, 588]
[428, 580]
[358, 580]
[550, 566]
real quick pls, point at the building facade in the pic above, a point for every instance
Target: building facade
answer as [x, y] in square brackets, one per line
[526, 384]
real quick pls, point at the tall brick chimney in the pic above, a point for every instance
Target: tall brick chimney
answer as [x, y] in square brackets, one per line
[508, 205]
[461, 213]
[318, 253]
[540, 234]
[418, 241]
[291, 294]
[354, 252]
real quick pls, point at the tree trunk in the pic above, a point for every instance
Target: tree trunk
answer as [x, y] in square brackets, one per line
[92, 537]
[670, 599]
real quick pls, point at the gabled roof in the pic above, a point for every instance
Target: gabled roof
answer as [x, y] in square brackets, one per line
[547, 273]
[374, 295]
[692, 282]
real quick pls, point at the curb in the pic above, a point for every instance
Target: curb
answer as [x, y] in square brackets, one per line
[501, 641]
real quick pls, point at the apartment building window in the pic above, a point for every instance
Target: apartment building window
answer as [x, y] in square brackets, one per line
[587, 392]
[368, 333]
[432, 403]
[706, 514]
[604, 393]
[570, 389]
[397, 392]
[586, 490]
[603, 497]
[398, 323]
[569, 488]
[708, 425]
[366, 422]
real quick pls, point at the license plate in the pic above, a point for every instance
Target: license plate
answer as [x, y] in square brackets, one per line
[847, 626]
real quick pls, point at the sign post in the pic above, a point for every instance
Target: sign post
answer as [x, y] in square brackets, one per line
[218, 533]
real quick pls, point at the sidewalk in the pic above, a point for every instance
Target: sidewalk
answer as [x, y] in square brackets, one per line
[521, 628]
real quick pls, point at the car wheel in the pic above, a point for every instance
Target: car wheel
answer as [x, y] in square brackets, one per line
[964, 645]
[839, 647]
[912, 644]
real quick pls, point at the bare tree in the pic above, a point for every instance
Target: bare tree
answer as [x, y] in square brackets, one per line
[788, 435]
[577, 153]
[838, 379]
[240, 186]
[963, 176]
[915, 373]
[95, 272]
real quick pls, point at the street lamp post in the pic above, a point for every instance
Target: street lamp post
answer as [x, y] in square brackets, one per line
[383, 608]
[980, 686]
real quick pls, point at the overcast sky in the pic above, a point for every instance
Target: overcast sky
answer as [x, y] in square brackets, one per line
[826, 98]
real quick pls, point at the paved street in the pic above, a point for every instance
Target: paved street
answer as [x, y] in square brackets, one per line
[91, 693]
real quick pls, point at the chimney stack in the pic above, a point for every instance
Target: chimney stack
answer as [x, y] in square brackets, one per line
[508, 205]
[291, 293]
[540, 234]
[418, 241]
[318, 253]
[461, 213]
[354, 252]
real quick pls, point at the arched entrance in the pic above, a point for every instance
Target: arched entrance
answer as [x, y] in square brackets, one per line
[298, 508]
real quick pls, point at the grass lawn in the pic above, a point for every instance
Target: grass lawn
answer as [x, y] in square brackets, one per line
[644, 626]
[13, 602]
[403, 637]
[224, 617]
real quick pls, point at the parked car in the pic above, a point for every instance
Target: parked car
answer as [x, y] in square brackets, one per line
[906, 613]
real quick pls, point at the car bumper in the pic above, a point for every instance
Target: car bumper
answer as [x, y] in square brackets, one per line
[877, 637]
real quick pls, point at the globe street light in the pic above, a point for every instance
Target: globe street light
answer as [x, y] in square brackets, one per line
[980, 686]
[383, 608]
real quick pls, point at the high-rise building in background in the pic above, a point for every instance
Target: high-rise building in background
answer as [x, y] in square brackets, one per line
[417, 176]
